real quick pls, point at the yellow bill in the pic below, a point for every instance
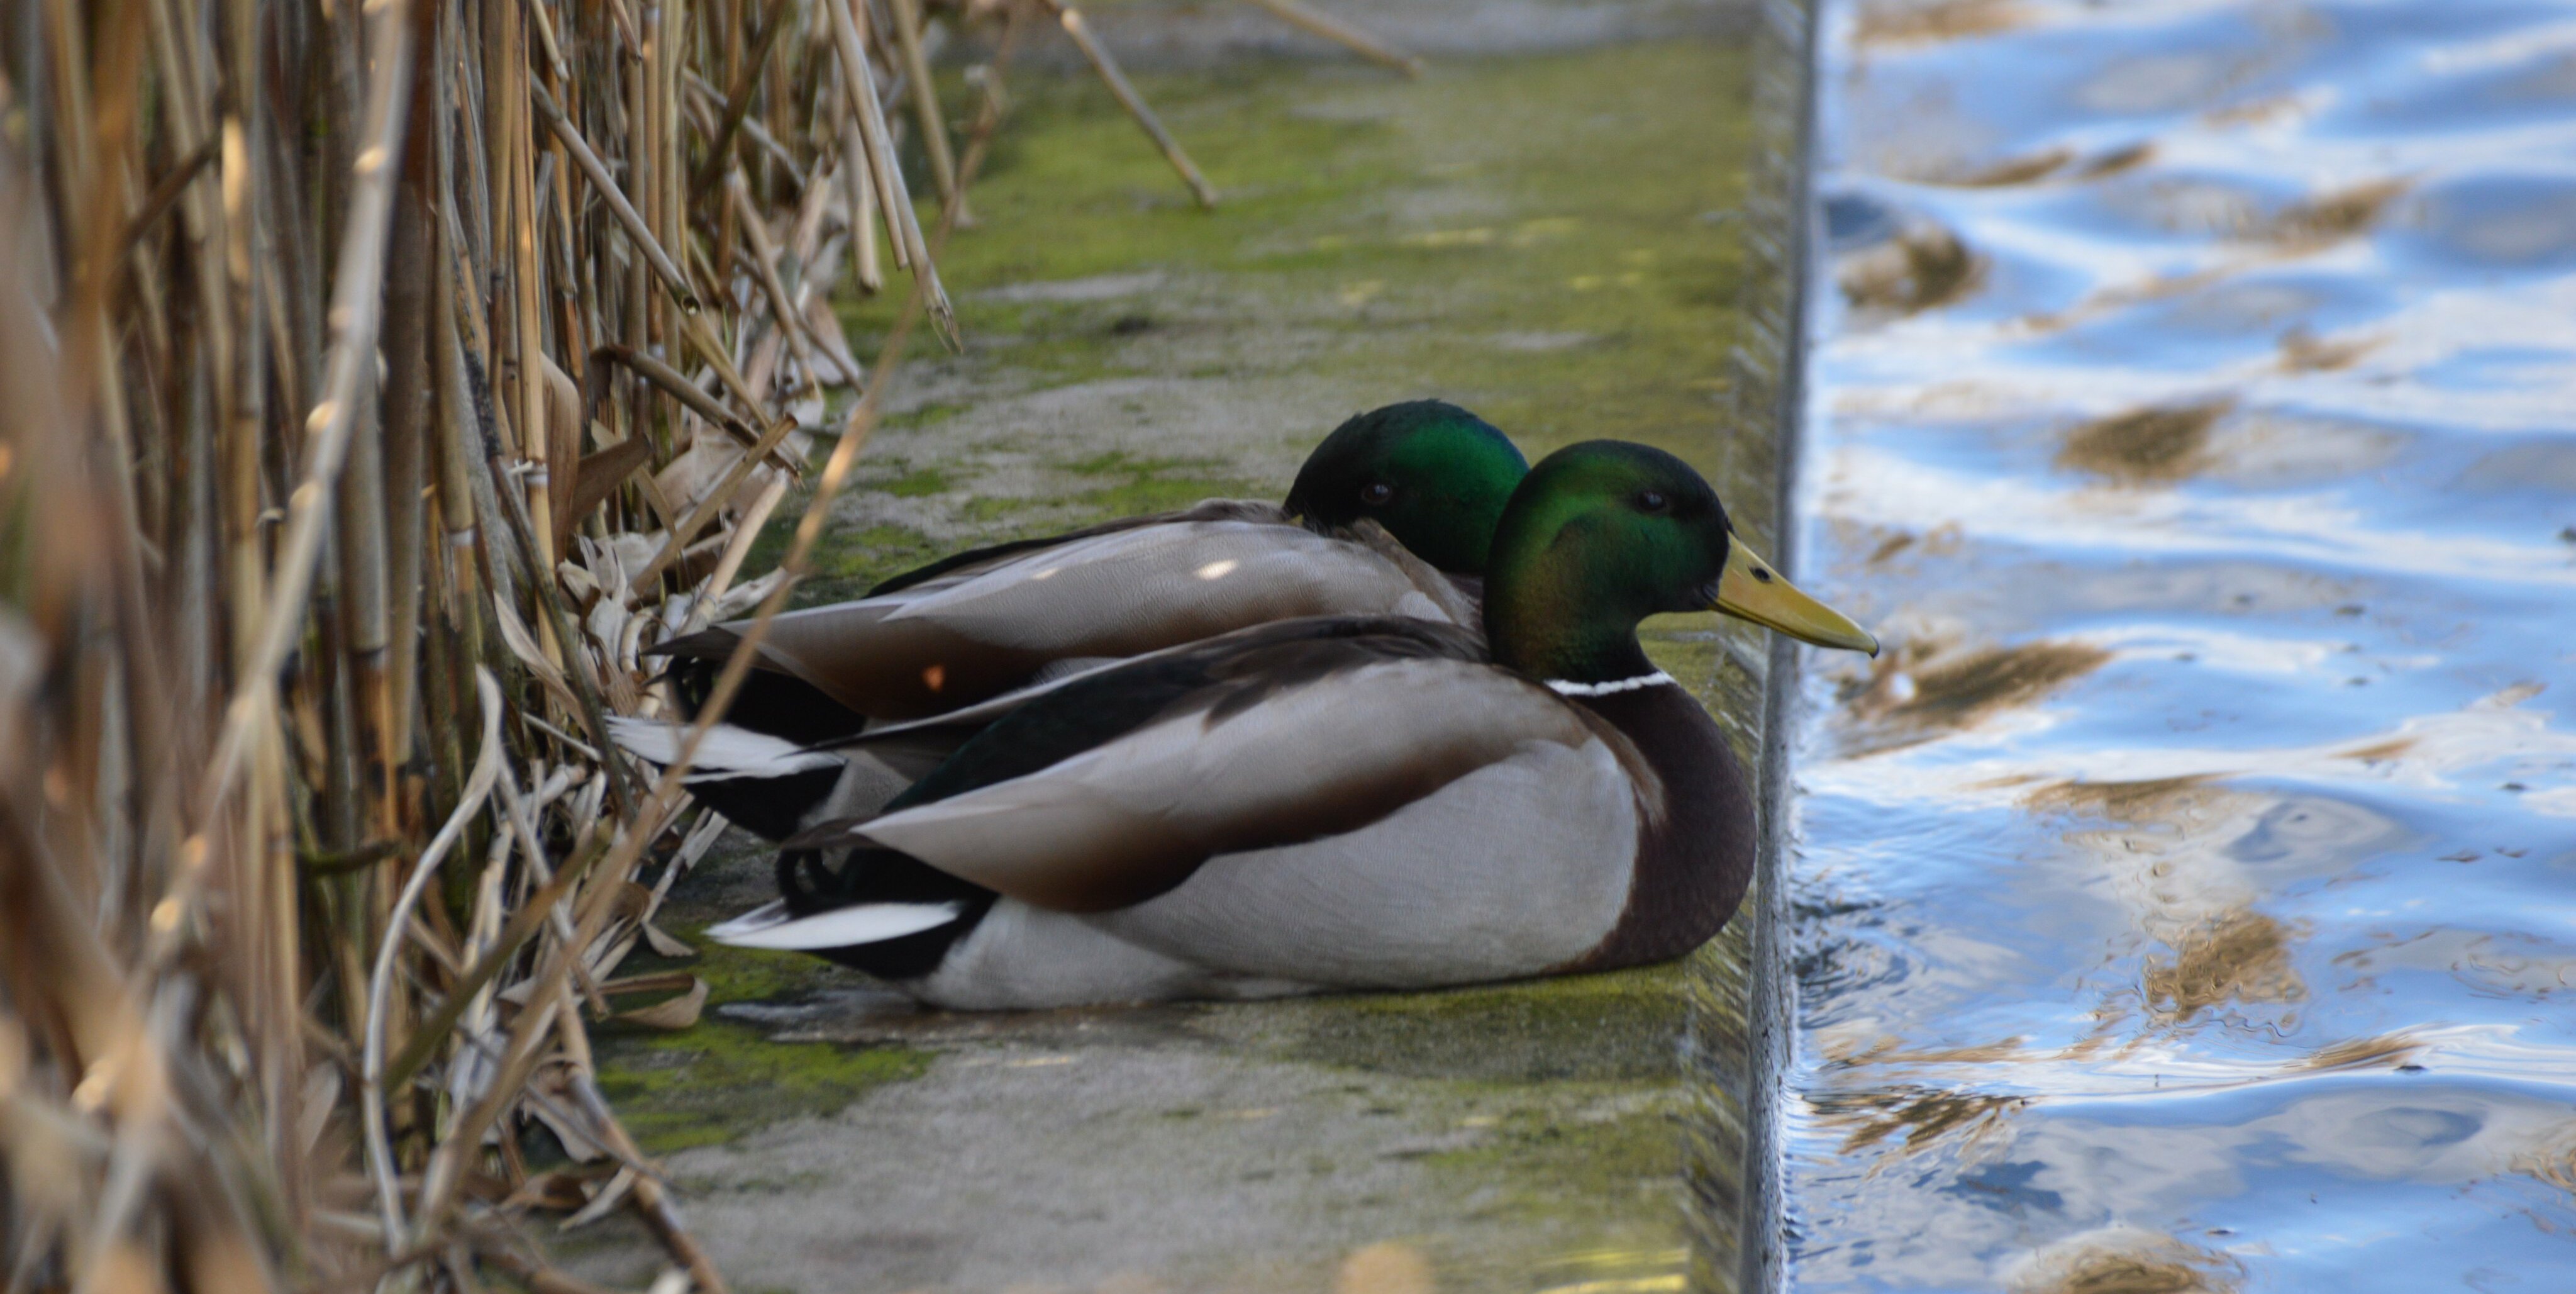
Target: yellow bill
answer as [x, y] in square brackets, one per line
[1751, 590]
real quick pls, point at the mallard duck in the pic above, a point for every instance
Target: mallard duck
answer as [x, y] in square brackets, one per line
[1338, 802]
[1391, 514]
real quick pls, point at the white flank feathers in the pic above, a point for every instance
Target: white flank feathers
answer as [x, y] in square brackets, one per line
[769, 925]
[727, 751]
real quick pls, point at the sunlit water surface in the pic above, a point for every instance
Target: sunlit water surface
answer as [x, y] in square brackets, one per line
[2185, 902]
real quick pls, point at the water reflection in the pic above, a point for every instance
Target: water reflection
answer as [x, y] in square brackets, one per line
[2238, 957]
[2154, 444]
[2181, 903]
[1922, 268]
[1918, 690]
[1882, 24]
[2126, 1260]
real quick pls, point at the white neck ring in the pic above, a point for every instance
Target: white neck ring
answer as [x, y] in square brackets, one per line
[1567, 688]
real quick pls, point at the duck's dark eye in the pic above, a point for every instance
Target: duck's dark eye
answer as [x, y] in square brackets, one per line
[1376, 492]
[1652, 501]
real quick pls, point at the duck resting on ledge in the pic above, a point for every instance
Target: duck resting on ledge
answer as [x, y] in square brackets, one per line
[1391, 514]
[1337, 802]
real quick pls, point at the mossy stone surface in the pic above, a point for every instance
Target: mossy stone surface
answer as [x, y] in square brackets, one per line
[1543, 237]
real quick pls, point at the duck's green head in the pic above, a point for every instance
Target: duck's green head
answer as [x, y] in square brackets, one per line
[1603, 534]
[1435, 475]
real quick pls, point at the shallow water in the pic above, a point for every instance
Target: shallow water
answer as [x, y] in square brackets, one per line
[2184, 902]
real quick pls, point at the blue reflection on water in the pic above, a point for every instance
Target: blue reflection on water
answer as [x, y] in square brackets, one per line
[2184, 901]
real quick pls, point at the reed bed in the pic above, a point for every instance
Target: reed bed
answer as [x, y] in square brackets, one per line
[377, 381]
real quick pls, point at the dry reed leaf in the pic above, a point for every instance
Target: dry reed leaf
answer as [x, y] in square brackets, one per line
[599, 475]
[577, 581]
[609, 1196]
[563, 448]
[219, 1257]
[523, 644]
[322, 1087]
[742, 597]
[690, 477]
[129, 1268]
[656, 982]
[556, 1191]
[13, 1057]
[825, 325]
[576, 1144]
[671, 1015]
[606, 622]
[665, 945]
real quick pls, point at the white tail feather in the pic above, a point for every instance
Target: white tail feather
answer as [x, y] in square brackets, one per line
[726, 752]
[769, 925]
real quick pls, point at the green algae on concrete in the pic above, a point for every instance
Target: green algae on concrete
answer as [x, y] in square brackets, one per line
[1548, 240]
[1544, 238]
[688, 1089]
[1616, 1027]
[722, 1077]
[1572, 1090]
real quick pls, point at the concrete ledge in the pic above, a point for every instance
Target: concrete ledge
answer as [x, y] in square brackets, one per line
[1551, 238]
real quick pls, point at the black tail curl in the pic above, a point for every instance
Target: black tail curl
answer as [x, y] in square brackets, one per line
[770, 702]
[811, 883]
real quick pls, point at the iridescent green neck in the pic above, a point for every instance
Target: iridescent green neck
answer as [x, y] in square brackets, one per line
[1600, 536]
[1547, 618]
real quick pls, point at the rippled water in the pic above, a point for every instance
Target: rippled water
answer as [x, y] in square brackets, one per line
[2185, 902]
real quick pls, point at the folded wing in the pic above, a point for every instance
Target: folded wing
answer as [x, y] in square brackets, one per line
[1275, 753]
[986, 628]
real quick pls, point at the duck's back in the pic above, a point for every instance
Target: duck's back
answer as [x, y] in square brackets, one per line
[978, 628]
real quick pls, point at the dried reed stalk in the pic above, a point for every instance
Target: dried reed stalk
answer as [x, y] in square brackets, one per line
[256, 1016]
[1070, 19]
[347, 469]
[1317, 22]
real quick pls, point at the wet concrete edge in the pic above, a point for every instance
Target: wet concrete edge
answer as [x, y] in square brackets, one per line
[1743, 1008]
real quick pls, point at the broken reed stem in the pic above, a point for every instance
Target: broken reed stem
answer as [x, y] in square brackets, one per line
[764, 267]
[1134, 103]
[166, 193]
[903, 226]
[1298, 15]
[546, 38]
[525, 269]
[677, 385]
[858, 94]
[906, 16]
[738, 99]
[652, 1198]
[687, 527]
[988, 116]
[627, 217]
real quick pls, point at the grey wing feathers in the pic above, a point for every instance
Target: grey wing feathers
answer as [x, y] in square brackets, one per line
[961, 639]
[1136, 815]
[967, 565]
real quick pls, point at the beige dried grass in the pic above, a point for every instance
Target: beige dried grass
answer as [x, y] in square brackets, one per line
[374, 380]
